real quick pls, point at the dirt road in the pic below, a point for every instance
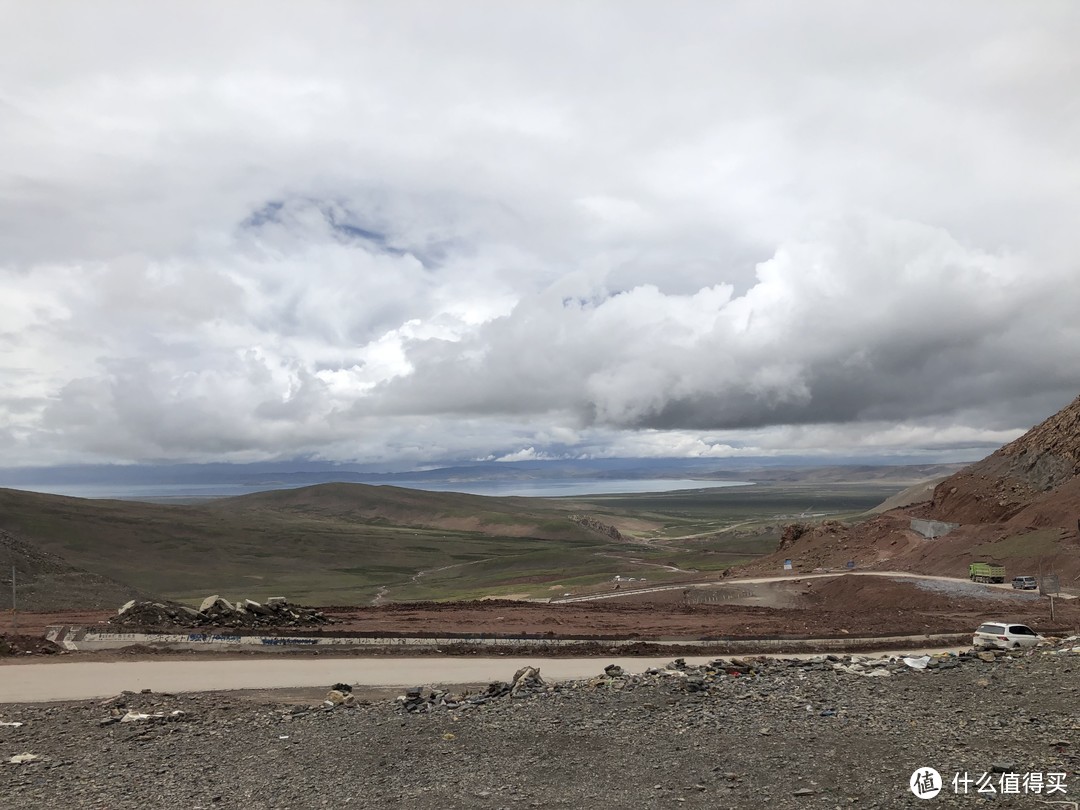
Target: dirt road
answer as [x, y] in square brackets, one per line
[81, 680]
[712, 583]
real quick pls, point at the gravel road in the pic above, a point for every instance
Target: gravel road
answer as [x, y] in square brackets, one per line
[743, 735]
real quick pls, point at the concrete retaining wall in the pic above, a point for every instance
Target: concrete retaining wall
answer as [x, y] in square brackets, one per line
[82, 638]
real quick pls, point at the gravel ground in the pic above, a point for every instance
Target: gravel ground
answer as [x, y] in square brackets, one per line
[738, 735]
[974, 590]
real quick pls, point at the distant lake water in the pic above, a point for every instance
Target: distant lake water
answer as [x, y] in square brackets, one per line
[573, 487]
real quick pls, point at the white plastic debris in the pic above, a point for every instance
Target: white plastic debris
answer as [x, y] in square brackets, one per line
[139, 717]
[866, 673]
[918, 663]
[20, 759]
[11, 725]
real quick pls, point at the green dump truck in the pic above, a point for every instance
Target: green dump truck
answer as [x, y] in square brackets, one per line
[986, 572]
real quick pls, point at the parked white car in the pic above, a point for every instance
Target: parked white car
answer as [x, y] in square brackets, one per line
[1004, 636]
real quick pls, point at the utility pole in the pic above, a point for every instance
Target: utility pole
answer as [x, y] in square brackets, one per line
[14, 610]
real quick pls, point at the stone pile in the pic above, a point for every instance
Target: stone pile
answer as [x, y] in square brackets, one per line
[216, 611]
[340, 694]
[703, 679]
[526, 681]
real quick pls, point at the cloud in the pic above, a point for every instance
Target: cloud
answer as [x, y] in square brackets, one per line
[432, 233]
[873, 319]
[524, 454]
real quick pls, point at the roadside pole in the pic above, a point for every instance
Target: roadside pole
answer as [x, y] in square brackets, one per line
[14, 610]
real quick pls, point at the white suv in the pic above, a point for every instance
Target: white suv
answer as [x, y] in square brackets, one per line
[1005, 636]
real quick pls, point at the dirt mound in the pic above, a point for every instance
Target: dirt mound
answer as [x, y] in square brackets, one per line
[15, 644]
[882, 542]
[46, 582]
[884, 594]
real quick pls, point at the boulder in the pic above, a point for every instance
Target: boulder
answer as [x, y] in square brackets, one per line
[215, 603]
[254, 607]
[526, 679]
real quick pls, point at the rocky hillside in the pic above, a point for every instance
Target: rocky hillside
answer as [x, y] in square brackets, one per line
[1018, 507]
[1016, 476]
[46, 582]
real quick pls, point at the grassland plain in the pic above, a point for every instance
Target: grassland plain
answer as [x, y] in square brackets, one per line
[352, 543]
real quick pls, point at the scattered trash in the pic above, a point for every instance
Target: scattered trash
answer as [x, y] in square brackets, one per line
[917, 663]
[21, 759]
[859, 669]
[11, 725]
[142, 717]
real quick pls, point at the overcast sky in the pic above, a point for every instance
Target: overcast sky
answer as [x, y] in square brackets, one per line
[452, 230]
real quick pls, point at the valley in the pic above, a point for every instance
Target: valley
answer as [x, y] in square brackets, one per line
[356, 544]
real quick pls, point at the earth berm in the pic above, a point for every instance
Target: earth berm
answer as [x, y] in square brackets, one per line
[823, 733]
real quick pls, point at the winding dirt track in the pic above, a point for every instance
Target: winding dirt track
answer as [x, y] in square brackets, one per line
[712, 583]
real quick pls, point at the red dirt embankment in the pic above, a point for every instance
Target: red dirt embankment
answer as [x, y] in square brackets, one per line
[820, 607]
[844, 605]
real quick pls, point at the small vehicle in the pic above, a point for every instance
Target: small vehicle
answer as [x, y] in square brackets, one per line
[1004, 636]
[1025, 583]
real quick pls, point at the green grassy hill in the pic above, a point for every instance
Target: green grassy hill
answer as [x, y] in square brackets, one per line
[351, 543]
[334, 543]
[396, 506]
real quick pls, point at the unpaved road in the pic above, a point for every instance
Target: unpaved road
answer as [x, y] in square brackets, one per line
[81, 680]
[713, 583]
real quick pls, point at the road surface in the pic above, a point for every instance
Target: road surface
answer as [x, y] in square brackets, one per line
[85, 680]
[713, 583]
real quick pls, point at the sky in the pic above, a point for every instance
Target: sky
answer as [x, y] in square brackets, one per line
[429, 231]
